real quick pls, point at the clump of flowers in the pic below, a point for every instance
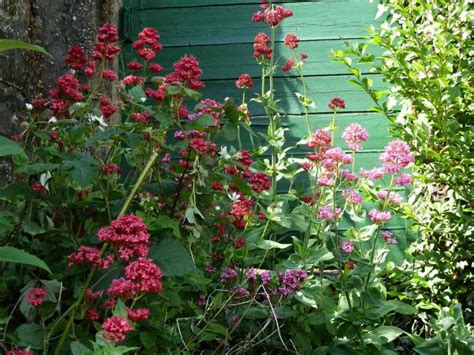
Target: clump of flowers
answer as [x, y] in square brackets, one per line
[115, 329]
[396, 156]
[36, 296]
[354, 135]
[186, 72]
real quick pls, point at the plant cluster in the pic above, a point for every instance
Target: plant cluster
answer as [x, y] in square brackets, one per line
[129, 229]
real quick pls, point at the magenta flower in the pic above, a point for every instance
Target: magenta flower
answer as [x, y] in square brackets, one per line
[329, 213]
[379, 217]
[115, 329]
[352, 196]
[397, 155]
[404, 179]
[347, 246]
[354, 135]
[394, 198]
[36, 296]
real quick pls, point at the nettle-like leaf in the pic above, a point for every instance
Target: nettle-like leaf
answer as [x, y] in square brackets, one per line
[14, 255]
[172, 258]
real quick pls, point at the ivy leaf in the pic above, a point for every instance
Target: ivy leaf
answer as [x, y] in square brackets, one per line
[172, 258]
[14, 255]
[9, 147]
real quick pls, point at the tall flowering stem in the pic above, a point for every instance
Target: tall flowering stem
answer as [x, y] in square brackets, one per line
[124, 209]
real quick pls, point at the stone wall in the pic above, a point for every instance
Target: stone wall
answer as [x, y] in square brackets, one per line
[54, 25]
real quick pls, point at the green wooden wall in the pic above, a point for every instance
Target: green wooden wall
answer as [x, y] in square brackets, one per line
[220, 34]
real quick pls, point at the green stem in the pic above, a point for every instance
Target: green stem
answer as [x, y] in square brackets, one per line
[333, 127]
[374, 242]
[125, 206]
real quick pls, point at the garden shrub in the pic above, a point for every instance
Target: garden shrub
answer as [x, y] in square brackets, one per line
[129, 230]
[427, 64]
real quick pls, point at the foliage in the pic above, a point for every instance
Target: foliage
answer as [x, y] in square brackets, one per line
[160, 241]
[428, 64]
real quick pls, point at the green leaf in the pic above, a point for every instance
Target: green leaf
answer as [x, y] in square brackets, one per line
[388, 332]
[82, 170]
[9, 147]
[31, 169]
[79, 349]
[104, 135]
[204, 120]
[9, 44]
[230, 132]
[165, 222]
[270, 244]
[172, 258]
[30, 335]
[14, 255]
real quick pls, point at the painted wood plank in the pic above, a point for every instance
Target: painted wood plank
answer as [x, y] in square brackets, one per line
[232, 24]
[159, 4]
[228, 61]
[321, 89]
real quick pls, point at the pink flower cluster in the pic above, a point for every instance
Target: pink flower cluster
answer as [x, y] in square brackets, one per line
[354, 135]
[129, 235]
[36, 296]
[105, 49]
[337, 103]
[393, 197]
[388, 237]
[291, 41]
[379, 217]
[329, 213]
[352, 196]
[145, 275]
[91, 256]
[396, 156]
[347, 246]
[244, 82]
[115, 329]
[261, 47]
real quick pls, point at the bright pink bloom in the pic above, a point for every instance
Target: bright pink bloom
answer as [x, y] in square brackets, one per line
[337, 103]
[122, 288]
[241, 211]
[158, 94]
[129, 234]
[347, 246]
[111, 168]
[91, 296]
[276, 15]
[334, 157]
[404, 179]
[329, 213]
[347, 175]
[105, 49]
[89, 69]
[353, 135]
[36, 296]
[291, 41]
[137, 315]
[320, 138]
[115, 329]
[394, 198]
[288, 64]
[89, 255]
[187, 72]
[19, 352]
[145, 274]
[352, 196]
[373, 174]
[397, 155]
[92, 314]
[244, 82]
[379, 217]
[327, 181]
[228, 275]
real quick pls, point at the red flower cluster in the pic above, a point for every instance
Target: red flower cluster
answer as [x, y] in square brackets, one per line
[122, 288]
[110, 75]
[147, 44]
[106, 107]
[209, 107]
[137, 315]
[36, 296]
[141, 117]
[260, 182]
[76, 58]
[261, 48]
[202, 146]
[274, 15]
[244, 81]
[19, 352]
[133, 65]
[89, 255]
[68, 91]
[241, 212]
[37, 187]
[158, 94]
[145, 275]
[105, 49]
[129, 234]
[115, 329]
[337, 103]
[187, 72]
[111, 168]
[291, 41]
[288, 64]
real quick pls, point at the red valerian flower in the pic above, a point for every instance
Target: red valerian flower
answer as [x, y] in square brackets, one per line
[145, 275]
[111, 168]
[89, 255]
[141, 117]
[260, 182]
[241, 211]
[122, 288]
[379, 217]
[92, 314]
[75, 58]
[19, 352]
[187, 72]
[89, 69]
[137, 315]
[133, 65]
[244, 81]
[105, 49]
[261, 48]
[133, 80]
[129, 234]
[158, 94]
[291, 41]
[396, 156]
[115, 329]
[288, 64]
[36, 296]
[320, 138]
[239, 242]
[37, 187]
[337, 103]
[304, 56]
[354, 135]
[110, 75]
[147, 44]
[155, 68]
[106, 107]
